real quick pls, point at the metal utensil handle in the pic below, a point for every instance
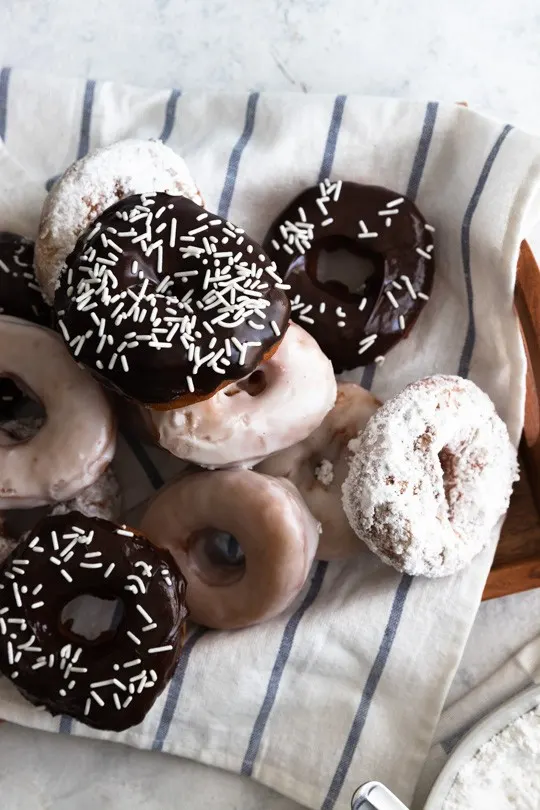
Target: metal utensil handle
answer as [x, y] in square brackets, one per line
[375, 796]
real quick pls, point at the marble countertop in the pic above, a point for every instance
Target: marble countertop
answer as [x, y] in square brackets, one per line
[483, 52]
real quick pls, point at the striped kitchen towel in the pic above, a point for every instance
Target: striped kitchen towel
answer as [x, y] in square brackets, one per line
[348, 685]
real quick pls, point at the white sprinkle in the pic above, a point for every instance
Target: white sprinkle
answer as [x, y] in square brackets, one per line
[34, 542]
[149, 627]
[275, 244]
[391, 297]
[99, 684]
[165, 648]
[320, 202]
[306, 319]
[386, 213]
[275, 328]
[68, 548]
[143, 612]
[368, 235]
[429, 228]
[125, 532]
[39, 665]
[190, 384]
[362, 304]
[127, 702]
[117, 701]
[410, 289]
[363, 226]
[37, 590]
[397, 201]
[340, 312]
[423, 296]
[379, 360]
[87, 707]
[341, 324]
[90, 565]
[396, 286]
[401, 320]
[17, 594]
[326, 222]
[134, 638]
[79, 669]
[66, 575]
[134, 663]
[97, 698]
[10, 653]
[124, 362]
[388, 221]
[37, 605]
[423, 253]
[429, 248]
[202, 228]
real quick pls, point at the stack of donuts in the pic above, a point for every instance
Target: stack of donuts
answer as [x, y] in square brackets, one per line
[141, 307]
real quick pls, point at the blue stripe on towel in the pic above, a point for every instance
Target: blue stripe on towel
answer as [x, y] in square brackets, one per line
[170, 115]
[278, 668]
[5, 73]
[236, 155]
[66, 724]
[332, 138]
[86, 124]
[391, 628]
[413, 185]
[317, 581]
[175, 686]
[369, 691]
[470, 338]
[140, 453]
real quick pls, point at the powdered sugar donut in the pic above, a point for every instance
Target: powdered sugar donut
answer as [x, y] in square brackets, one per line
[431, 476]
[319, 465]
[77, 440]
[280, 404]
[96, 182]
[196, 517]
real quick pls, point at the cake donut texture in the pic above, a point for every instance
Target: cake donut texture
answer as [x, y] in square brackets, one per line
[431, 476]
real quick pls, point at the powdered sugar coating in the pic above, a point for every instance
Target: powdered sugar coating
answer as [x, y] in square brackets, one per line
[96, 182]
[431, 476]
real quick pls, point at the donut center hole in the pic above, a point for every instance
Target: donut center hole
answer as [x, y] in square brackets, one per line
[88, 617]
[253, 385]
[217, 556]
[22, 415]
[340, 264]
[448, 461]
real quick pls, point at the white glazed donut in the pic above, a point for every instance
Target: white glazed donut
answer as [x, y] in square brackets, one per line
[319, 465]
[93, 184]
[277, 534]
[77, 440]
[102, 499]
[431, 477]
[280, 404]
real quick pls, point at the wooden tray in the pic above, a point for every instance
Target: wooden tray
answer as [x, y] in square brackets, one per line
[516, 566]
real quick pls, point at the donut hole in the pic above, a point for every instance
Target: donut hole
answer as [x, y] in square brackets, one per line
[448, 462]
[343, 266]
[22, 415]
[253, 385]
[217, 556]
[89, 617]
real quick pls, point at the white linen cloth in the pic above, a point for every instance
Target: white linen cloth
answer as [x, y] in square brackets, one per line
[348, 685]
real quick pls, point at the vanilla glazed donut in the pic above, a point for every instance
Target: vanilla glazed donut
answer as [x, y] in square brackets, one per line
[319, 465]
[431, 476]
[195, 516]
[77, 440]
[108, 682]
[281, 403]
[166, 303]
[95, 182]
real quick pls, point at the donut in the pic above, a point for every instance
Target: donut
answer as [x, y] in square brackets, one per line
[279, 404]
[319, 465]
[77, 440]
[200, 513]
[356, 326]
[20, 294]
[91, 185]
[110, 682]
[430, 477]
[166, 303]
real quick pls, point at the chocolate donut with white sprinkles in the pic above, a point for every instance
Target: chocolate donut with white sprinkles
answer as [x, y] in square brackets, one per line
[112, 681]
[354, 327]
[20, 294]
[167, 303]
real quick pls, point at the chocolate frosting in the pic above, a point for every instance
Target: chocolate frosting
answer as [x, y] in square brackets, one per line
[165, 301]
[112, 681]
[354, 328]
[20, 294]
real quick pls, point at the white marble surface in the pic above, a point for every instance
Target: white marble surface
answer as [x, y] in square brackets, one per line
[485, 52]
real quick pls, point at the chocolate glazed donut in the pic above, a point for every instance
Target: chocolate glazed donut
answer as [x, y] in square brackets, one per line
[166, 302]
[354, 328]
[20, 294]
[109, 682]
